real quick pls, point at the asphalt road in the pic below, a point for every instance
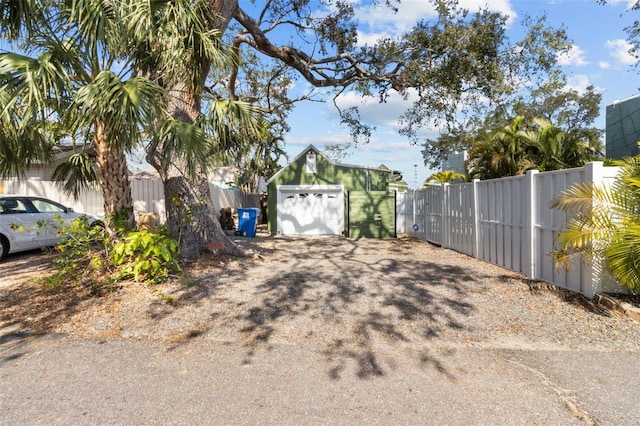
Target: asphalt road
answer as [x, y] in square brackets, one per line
[57, 380]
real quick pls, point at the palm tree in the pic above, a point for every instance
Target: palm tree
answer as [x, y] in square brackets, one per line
[503, 153]
[605, 224]
[99, 75]
[76, 75]
[445, 176]
[195, 126]
[546, 145]
[551, 148]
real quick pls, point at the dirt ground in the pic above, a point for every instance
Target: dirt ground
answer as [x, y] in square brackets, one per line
[347, 298]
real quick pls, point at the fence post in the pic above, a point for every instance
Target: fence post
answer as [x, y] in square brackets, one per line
[530, 243]
[444, 223]
[593, 277]
[413, 210]
[474, 218]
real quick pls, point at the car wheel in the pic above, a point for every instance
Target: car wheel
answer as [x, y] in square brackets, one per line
[4, 247]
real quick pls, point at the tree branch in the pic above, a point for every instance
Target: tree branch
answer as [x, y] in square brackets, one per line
[348, 70]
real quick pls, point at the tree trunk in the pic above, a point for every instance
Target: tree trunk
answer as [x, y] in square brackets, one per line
[114, 178]
[191, 218]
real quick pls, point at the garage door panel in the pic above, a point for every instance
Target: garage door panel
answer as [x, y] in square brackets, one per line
[311, 211]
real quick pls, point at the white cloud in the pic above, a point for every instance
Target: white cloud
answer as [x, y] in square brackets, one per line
[620, 50]
[580, 82]
[629, 3]
[604, 65]
[378, 21]
[379, 18]
[574, 56]
[370, 38]
[502, 6]
[376, 113]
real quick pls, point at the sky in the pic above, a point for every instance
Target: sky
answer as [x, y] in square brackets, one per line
[599, 57]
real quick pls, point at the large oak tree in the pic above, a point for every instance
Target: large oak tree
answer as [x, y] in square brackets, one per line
[457, 58]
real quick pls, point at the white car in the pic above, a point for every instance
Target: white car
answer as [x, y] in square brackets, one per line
[28, 223]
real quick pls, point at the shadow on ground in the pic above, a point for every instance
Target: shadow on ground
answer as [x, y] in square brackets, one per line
[363, 305]
[360, 304]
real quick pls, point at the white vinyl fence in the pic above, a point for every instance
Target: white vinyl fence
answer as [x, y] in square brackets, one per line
[148, 196]
[507, 222]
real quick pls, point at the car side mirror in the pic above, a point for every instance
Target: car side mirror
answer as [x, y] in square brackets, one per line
[69, 210]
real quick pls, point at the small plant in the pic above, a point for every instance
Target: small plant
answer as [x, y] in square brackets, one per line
[166, 298]
[92, 256]
[81, 253]
[146, 256]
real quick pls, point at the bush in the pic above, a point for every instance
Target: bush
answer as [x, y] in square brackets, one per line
[146, 256]
[90, 255]
[81, 254]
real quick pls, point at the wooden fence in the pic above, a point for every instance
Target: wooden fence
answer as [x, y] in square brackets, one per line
[148, 196]
[507, 222]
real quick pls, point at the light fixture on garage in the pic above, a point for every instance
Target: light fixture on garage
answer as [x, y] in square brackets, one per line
[311, 162]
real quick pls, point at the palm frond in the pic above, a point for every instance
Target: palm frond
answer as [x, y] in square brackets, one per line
[18, 17]
[178, 142]
[93, 19]
[20, 149]
[227, 117]
[605, 223]
[23, 143]
[623, 256]
[124, 107]
[586, 196]
[37, 83]
[173, 37]
[77, 174]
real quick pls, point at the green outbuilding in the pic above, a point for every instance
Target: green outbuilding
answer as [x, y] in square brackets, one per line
[314, 196]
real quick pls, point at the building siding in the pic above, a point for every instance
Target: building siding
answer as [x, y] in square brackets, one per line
[353, 178]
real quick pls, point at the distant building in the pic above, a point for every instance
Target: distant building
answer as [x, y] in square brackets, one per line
[396, 183]
[455, 162]
[623, 128]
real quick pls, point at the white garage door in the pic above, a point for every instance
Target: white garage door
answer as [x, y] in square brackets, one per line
[310, 210]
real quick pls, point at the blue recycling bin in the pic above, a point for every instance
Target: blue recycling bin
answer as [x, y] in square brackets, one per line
[248, 221]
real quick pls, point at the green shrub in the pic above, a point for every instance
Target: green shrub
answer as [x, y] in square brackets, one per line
[146, 256]
[81, 254]
[604, 224]
[90, 255]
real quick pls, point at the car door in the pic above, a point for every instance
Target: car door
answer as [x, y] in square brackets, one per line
[20, 223]
[51, 218]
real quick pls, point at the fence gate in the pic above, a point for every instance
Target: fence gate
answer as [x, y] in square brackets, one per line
[371, 214]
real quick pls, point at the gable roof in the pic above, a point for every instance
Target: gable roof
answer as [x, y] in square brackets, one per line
[311, 147]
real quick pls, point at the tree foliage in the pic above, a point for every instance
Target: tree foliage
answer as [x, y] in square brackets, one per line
[72, 71]
[445, 176]
[502, 152]
[523, 145]
[572, 112]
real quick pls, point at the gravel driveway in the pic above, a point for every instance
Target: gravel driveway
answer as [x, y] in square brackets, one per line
[356, 301]
[349, 310]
